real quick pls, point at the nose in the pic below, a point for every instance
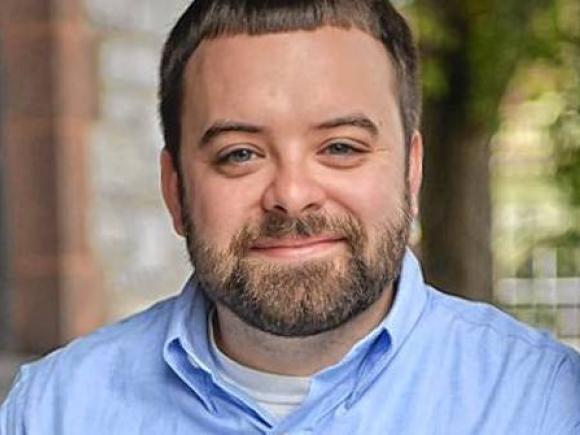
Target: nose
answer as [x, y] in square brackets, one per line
[293, 190]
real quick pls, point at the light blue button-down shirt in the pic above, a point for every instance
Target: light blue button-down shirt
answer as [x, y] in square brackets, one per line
[435, 365]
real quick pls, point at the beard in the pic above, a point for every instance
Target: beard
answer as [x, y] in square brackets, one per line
[304, 298]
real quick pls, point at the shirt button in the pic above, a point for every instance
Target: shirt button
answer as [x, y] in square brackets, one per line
[341, 411]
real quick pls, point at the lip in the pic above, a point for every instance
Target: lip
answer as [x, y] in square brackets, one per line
[295, 248]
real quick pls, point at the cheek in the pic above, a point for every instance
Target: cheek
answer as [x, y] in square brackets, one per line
[221, 207]
[374, 195]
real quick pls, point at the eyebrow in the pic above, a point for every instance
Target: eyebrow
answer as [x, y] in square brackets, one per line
[222, 127]
[354, 120]
[225, 126]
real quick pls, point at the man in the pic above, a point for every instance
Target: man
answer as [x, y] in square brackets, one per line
[292, 167]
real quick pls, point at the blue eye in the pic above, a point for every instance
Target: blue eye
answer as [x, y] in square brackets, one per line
[340, 148]
[241, 155]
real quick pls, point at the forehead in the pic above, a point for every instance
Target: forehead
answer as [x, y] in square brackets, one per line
[307, 74]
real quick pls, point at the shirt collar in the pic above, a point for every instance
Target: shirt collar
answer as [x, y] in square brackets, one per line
[409, 302]
[188, 325]
[371, 354]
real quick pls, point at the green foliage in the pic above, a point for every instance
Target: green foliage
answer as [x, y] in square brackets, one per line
[566, 132]
[472, 49]
[492, 38]
[484, 62]
[477, 46]
[561, 41]
[568, 172]
[498, 40]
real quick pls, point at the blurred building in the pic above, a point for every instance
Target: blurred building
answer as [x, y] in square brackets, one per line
[84, 238]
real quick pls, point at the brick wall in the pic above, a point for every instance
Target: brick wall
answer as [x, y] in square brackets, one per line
[55, 293]
[141, 258]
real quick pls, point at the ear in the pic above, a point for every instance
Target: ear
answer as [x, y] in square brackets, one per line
[415, 170]
[170, 190]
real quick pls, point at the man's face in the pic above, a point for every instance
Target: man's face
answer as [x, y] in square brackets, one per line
[296, 204]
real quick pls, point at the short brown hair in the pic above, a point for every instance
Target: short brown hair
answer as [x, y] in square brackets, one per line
[209, 19]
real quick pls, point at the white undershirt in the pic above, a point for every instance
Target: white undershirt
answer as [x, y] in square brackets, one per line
[278, 394]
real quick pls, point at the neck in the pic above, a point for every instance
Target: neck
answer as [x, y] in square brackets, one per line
[294, 356]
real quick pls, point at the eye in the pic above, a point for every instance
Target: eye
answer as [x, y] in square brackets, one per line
[237, 156]
[341, 149]
[343, 154]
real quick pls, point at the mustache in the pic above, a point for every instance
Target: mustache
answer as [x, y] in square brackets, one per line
[280, 226]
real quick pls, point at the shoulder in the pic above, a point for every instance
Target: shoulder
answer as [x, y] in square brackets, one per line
[477, 318]
[130, 336]
[88, 365]
[529, 364]
[488, 339]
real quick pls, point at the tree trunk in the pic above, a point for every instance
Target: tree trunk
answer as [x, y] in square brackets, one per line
[455, 212]
[455, 203]
[471, 50]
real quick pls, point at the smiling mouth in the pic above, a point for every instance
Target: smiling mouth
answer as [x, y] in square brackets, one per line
[296, 248]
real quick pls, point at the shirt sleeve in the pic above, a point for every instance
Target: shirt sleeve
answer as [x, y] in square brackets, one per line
[562, 415]
[12, 409]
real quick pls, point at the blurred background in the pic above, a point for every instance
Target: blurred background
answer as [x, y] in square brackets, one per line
[84, 238]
